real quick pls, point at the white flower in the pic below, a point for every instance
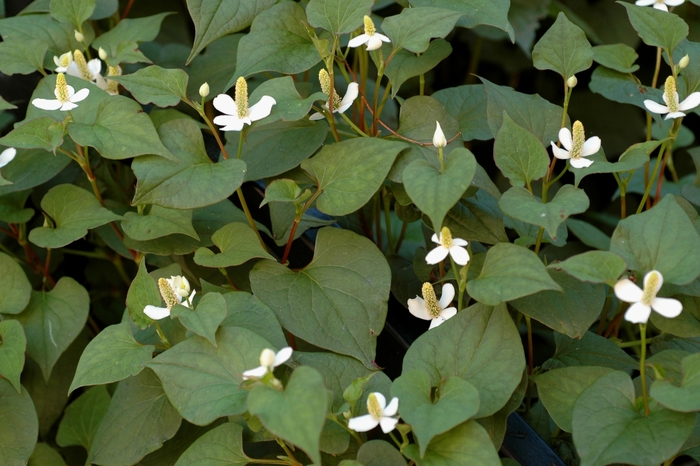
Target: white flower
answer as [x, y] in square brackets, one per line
[7, 156]
[268, 361]
[379, 414]
[672, 107]
[643, 301]
[371, 37]
[237, 112]
[109, 85]
[87, 70]
[204, 90]
[174, 290]
[66, 97]
[576, 146]
[448, 245]
[429, 308]
[659, 4]
[63, 62]
[78, 36]
[439, 137]
[339, 106]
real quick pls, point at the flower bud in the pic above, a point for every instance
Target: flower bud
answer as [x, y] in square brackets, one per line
[204, 90]
[572, 81]
[684, 62]
[102, 53]
[79, 36]
[267, 358]
[439, 137]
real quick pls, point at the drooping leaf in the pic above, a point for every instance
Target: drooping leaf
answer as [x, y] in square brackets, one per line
[19, 428]
[588, 234]
[593, 266]
[413, 28]
[153, 84]
[655, 27]
[563, 48]
[338, 16]
[15, 289]
[205, 319]
[468, 443]
[83, 417]
[31, 168]
[13, 343]
[622, 87]
[518, 154]
[58, 36]
[223, 443]
[121, 42]
[591, 350]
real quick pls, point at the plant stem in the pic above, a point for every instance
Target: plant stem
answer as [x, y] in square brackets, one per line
[538, 243]
[651, 179]
[297, 219]
[353, 126]
[387, 219]
[161, 335]
[530, 363]
[642, 359]
[402, 236]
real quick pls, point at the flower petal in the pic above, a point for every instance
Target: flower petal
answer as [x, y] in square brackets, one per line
[283, 355]
[459, 254]
[80, 95]
[47, 104]
[565, 138]
[448, 313]
[448, 294]
[690, 102]
[374, 42]
[591, 146]
[262, 108]
[628, 291]
[380, 399]
[68, 106]
[674, 2]
[644, 2]
[363, 423]
[436, 255]
[581, 163]
[638, 313]
[258, 372]
[7, 156]
[225, 104]
[674, 115]
[459, 242]
[654, 107]
[392, 408]
[388, 423]
[659, 283]
[94, 66]
[229, 122]
[667, 307]
[436, 321]
[560, 153]
[417, 307]
[435, 238]
[359, 40]
[316, 116]
[382, 37]
[156, 313]
[350, 96]
[660, 6]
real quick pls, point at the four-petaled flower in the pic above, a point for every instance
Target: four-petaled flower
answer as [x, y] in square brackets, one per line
[448, 245]
[66, 97]
[339, 106]
[576, 146]
[673, 107]
[80, 68]
[643, 301]
[371, 37]
[63, 62]
[236, 112]
[268, 361]
[174, 290]
[7, 156]
[379, 415]
[659, 4]
[429, 308]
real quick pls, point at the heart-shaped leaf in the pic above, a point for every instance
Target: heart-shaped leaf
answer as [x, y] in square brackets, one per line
[593, 266]
[158, 223]
[247, 311]
[619, 57]
[468, 105]
[655, 27]
[83, 417]
[238, 244]
[15, 289]
[406, 65]
[413, 28]
[468, 443]
[72, 11]
[686, 397]
[338, 16]
[563, 48]
[40, 133]
[519, 154]
[591, 350]
[205, 319]
[12, 346]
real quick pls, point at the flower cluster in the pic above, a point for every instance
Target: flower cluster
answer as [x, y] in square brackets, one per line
[174, 290]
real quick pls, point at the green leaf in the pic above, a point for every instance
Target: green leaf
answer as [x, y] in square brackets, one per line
[559, 389]
[5, 105]
[194, 180]
[532, 112]
[139, 405]
[662, 239]
[142, 292]
[350, 172]
[413, 28]
[278, 147]
[120, 130]
[221, 444]
[477, 219]
[205, 319]
[40, 133]
[74, 211]
[687, 324]
[286, 191]
[277, 41]
[468, 443]
[216, 18]
[203, 382]
[60, 37]
[22, 56]
[121, 42]
[113, 355]
[379, 453]
[15, 289]
[13, 343]
[509, 272]
[475, 12]
[338, 302]
[52, 320]
[519, 154]
[593, 266]
[608, 427]
[563, 48]
[31, 168]
[75, 12]
[20, 428]
[247, 311]
[520, 204]
[237, 242]
[406, 65]
[588, 234]
[296, 414]
[481, 345]
[104, 9]
[153, 84]
[570, 312]
[619, 57]
[657, 28]
[83, 417]
[622, 87]
[683, 398]
[591, 350]
[44, 455]
[290, 106]
[12, 209]
[458, 401]
[633, 158]
[338, 16]
[158, 223]
[435, 192]
[690, 74]
[215, 67]
[468, 105]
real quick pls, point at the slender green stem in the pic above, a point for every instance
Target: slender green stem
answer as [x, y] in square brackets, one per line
[297, 219]
[387, 219]
[240, 145]
[651, 178]
[530, 362]
[385, 97]
[288, 452]
[642, 360]
[421, 84]
[402, 236]
[566, 168]
[538, 243]
[161, 335]
[460, 287]
[266, 461]
[353, 126]
[396, 441]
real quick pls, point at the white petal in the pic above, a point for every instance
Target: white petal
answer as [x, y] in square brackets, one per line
[101, 82]
[47, 104]
[660, 6]
[674, 2]
[156, 313]
[380, 399]
[94, 66]
[374, 42]
[388, 424]
[659, 283]
[638, 313]
[438, 136]
[7, 156]
[667, 307]
[262, 108]
[392, 408]
[68, 106]
[350, 96]
[229, 122]
[258, 372]
[363, 423]
[435, 238]
[591, 146]
[654, 107]
[316, 116]
[448, 294]
[73, 70]
[436, 255]
[417, 308]
[565, 138]
[448, 313]
[359, 40]
[283, 355]
[80, 95]
[581, 163]
[225, 104]
[459, 242]
[628, 291]
[690, 102]
[382, 37]
[644, 2]
[674, 115]
[560, 153]
[459, 254]
[436, 321]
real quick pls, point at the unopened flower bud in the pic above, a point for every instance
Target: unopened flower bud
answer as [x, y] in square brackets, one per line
[439, 137]
[79, 36]
[267, 358]
[204, 90]
[684, 62]
[572, 81]
[102, 53]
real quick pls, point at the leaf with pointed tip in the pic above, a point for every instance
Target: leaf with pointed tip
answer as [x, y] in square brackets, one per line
[519, 154]
[247, 311]
[406, 65]
[633, 158]
[22, 56]
[40, 133]
[237, 243]
[142, 292]
[205, 319]
[338, 16]
[594, 266]
[83, 417]
[31, 168]
[623, 88]
[221, 444]
[60, 37]
[563, 48]
[657, 28]
[122, 40]
[683, 398]
[468, 443]
[19, 428]
[75, 12]
[15, 288]
[44, 455]
[413, 28]
[619, 57]
[158, 223]
[153, 84]
[591, 350]
[468, 105]
[476, 12]
[13, 343]
[5, 105]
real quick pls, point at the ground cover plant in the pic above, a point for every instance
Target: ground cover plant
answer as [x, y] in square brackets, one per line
[348, 232]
